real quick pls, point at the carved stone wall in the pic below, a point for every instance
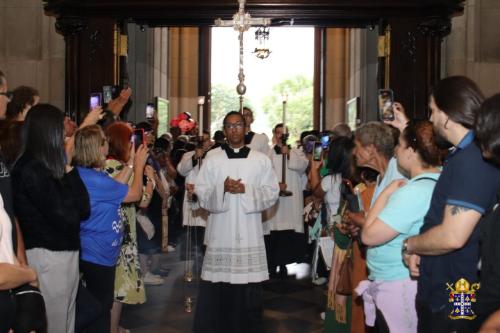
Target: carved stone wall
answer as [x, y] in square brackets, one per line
[31, 52]
[473, 47]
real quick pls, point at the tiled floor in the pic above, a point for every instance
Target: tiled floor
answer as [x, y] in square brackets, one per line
[290, 305]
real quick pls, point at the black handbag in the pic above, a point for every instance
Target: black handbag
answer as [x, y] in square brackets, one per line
[29, 310]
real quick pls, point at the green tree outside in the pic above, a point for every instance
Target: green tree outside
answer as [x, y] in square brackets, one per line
[299, 106]
[224, 99]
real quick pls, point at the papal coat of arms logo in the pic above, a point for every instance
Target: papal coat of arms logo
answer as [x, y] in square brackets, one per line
[462, 295]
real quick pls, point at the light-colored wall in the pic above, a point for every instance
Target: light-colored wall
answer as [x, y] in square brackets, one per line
[350, 71]
[473, 47]
[31, 52]
[362, 74]
[147, 67]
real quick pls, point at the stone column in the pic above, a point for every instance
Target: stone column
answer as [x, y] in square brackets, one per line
[183, 70]
[336, 75]
[31, 52]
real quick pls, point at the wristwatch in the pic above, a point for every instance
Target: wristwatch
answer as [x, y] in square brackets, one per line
[404, 249]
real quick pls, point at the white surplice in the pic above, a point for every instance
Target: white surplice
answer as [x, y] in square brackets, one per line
[260, 142]
[287, 213]
[192, 213]
[235, 244]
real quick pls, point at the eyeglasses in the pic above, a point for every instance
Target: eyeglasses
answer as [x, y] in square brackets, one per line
[7, 94]
[238, 125]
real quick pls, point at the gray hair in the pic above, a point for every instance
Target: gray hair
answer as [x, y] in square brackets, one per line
[342, 130]
[377, 134]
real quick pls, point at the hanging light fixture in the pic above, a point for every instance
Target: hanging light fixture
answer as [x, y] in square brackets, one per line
[262, 36]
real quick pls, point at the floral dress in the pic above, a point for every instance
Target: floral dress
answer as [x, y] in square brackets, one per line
[129, 286]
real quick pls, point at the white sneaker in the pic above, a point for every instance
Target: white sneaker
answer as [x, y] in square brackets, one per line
[171, 248]
[319, 281]
[153, 280]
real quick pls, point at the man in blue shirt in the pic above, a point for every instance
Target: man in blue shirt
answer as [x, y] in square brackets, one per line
[447, 248]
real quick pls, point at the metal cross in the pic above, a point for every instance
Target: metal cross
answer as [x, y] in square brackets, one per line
[241, 22]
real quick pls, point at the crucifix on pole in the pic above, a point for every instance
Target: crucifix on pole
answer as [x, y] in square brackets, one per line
[241, 22]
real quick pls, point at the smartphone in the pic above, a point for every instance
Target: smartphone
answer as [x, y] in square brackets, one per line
[95, 100]
[325, 141]
[138, 137]
[107, 94]
[385, 104]
[317, 151]
[150, 111]
[309, 147]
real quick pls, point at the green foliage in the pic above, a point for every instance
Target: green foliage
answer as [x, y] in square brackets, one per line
[223, 99]
[299, 105]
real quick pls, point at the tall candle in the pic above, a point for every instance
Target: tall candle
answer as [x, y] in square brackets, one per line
[201, 101]
[285, 99]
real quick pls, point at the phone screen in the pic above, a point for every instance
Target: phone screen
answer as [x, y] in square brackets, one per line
[107, 94]
[385, 103]
[325, 141]
[138, 137]
[150, 111]
[317, 152]
[95, 100]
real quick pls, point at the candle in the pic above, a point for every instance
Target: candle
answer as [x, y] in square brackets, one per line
[285, 99]
[201, 101]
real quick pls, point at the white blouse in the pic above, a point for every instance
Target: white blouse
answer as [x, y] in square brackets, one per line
[6, 249]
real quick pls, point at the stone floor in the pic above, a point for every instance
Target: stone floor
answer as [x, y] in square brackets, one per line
[290, 305]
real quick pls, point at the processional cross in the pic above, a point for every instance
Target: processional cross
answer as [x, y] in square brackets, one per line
[241, 22]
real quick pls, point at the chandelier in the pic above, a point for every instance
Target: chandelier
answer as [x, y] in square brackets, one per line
[262, 36]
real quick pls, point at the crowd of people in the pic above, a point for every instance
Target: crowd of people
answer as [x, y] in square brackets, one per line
[408, 206]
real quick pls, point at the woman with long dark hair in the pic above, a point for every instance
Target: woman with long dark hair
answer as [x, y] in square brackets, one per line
[50, 200]
[341, 167]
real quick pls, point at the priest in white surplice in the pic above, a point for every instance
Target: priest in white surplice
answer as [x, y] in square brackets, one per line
[235, 185]
[255, 141]
[283, 223]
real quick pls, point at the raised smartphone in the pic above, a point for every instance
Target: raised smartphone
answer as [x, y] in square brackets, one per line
[317, 151]
[95, 100]
[385, 104]
[138, 137]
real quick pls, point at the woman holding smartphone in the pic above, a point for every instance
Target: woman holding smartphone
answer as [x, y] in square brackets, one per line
[50, 200]
[129, 284]
[102, 233]
[341, 167]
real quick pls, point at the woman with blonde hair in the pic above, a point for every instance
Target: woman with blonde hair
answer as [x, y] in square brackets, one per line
[101, 234]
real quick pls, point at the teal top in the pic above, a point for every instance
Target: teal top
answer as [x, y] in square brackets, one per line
[404, 213]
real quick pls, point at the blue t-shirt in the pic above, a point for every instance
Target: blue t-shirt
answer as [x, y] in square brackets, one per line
[467, 181]
[102, 233]
[404, 213]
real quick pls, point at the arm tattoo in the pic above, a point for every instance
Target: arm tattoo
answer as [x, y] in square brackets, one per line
[455, 210]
